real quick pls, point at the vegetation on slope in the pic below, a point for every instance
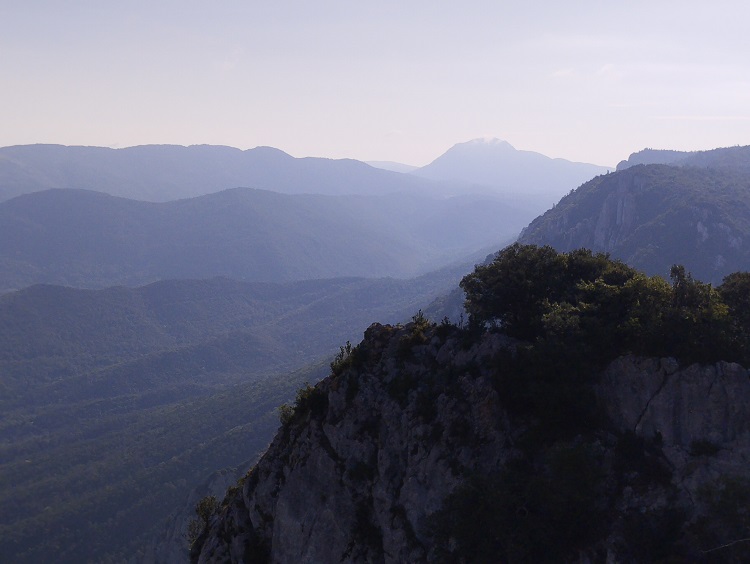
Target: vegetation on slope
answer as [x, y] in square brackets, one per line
[97, 487]
[506, 406]
[573, 313]
[93, 240]
[654, 216]
[603, 308]
[737, 158]
[160, 173]
[117, 402]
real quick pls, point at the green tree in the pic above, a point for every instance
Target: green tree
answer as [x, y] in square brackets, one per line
[604, 308]
[206, 508]
[524, 287]
[511, 290]
[698, 325]
[735, 293]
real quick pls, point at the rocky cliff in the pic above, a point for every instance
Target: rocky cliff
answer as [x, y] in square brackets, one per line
[168, 546]
[653, 216]
[410, 452]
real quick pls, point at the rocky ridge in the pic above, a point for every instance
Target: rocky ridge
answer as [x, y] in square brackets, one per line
[373, 461]
[354, 476]
[653, 216]
[737, 157]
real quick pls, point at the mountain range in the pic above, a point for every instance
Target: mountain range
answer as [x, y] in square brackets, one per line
[159, 173]
[95, 217]
[735, 158]
[529, 177]
[89, 239]
[194, 307]
[652, 216]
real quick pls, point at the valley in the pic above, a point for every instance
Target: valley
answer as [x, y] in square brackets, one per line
[146, 344]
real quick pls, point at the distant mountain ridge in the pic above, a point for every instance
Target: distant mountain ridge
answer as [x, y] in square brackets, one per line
[519, 184]
[89, 239]
[653, 156]
[159, 173]
[529, 176]
[394, 166]
[736, 158]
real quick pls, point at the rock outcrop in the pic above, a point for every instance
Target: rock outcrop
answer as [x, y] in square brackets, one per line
[654, 216]
[356, 480]
[699, 416]
[370, 456]
[168, 546]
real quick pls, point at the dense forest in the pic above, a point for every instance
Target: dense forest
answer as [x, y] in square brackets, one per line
[89, 239]
[116, 403]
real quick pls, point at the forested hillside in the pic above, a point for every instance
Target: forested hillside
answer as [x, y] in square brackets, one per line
[89, 239]
[653, 216]
[117, 402]
[159, 173]
[736, 158]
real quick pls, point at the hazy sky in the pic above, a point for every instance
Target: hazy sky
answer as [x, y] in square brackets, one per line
[589, 81]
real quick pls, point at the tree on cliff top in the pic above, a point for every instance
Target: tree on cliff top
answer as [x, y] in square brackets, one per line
[605, 308]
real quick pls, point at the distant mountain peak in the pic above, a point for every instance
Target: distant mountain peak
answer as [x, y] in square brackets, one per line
[490, 141]
[495, 163]
[267, 150]
[492, 144]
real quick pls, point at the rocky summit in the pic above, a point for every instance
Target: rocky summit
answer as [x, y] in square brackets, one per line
[414, 449]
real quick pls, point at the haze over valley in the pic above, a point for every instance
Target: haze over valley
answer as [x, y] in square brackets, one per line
[347, 282]
[212, 309]
[123, 314]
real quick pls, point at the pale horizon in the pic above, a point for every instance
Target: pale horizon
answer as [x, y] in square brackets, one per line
[380, 81]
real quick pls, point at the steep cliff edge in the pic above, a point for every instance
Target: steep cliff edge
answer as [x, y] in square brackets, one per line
[372, 452]
[410, 452]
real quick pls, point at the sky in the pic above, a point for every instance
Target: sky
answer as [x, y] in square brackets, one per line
[589, 81]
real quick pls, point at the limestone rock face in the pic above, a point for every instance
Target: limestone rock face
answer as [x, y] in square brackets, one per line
[356, 482]
[617, 218]
[686, 409]
[610, 220]
[376, 448]
[697, 403]
[654, 216]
